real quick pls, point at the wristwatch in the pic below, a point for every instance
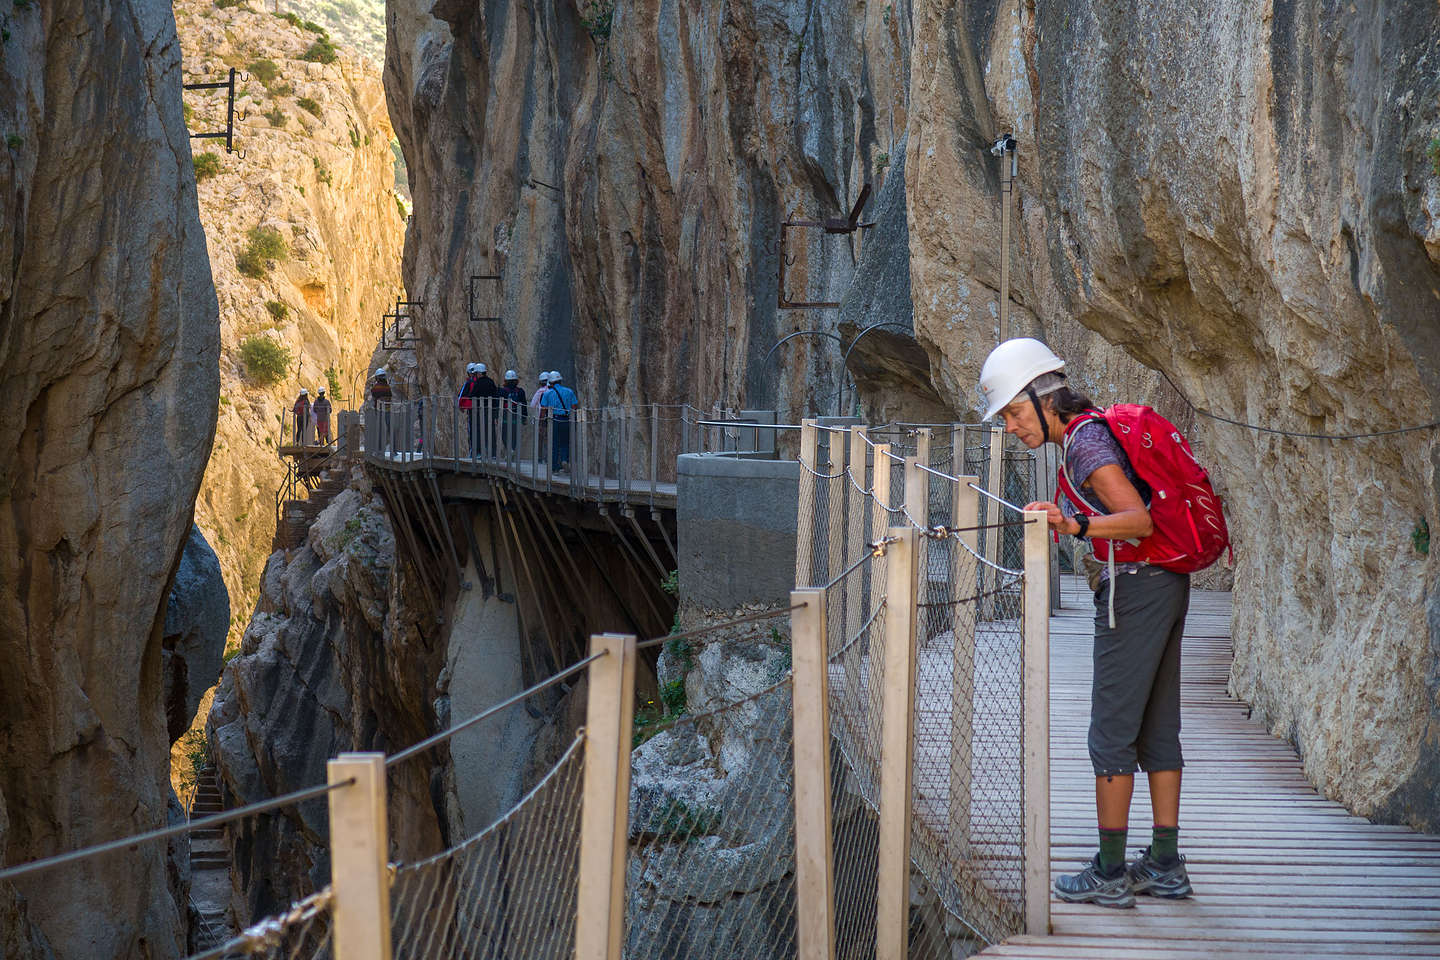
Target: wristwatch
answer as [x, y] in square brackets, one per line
[1084, 521]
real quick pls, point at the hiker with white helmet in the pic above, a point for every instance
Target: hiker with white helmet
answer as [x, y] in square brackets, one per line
[1109, 486]
[514, 402]
[320, 409]
[559, 400]
[542, 381]
[301, 409]
[380, 397]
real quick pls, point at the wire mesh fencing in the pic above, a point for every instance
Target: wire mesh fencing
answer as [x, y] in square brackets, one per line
[711, 860]
[508, 891]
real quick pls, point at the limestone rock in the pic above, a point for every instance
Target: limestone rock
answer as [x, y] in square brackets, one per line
[312, 161]
[108, 368]
[197, 618]
[318, 673]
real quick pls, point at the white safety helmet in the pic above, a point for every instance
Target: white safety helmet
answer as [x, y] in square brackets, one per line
[321, 391]
[1010, 368]
[555, 376]
[544, 376]
[379, 373]
[469, 369]
[480, 368]
[304, 392]
[511, 375]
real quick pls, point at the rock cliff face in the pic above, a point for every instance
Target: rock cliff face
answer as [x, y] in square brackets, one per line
[317, 168]
[1248, 205]
[331, 661]
[197, 620]
[108, 350]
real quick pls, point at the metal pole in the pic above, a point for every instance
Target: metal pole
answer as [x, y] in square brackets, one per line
[1007, 181]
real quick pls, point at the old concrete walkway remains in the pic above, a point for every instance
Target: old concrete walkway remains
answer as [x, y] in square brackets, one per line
[1280, 873]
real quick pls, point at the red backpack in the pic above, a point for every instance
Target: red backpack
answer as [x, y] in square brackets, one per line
[1189, 521]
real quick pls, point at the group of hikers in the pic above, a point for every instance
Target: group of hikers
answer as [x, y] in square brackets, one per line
[490, 410]
[312, 418]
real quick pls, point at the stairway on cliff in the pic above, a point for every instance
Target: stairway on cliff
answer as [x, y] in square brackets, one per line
[209, 867]
[297, 515]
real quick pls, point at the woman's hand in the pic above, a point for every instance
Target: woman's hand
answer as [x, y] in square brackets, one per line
[1057, 520]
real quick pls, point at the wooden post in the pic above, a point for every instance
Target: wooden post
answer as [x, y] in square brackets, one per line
[879, 524]
[814, 870]
[989, 576]
[854, 584]
[965, 512]
[359, 876]
[604, 818]
[923, 437]
[897, 747]
[805, 521]
[1036, 735]
[835, 503]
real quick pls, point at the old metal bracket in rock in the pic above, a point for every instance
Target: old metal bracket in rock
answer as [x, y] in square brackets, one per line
[484, 298]
[228, 134]
[392, 337]
[831, 225]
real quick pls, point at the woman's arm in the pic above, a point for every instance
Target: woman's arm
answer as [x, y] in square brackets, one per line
[1128, 518]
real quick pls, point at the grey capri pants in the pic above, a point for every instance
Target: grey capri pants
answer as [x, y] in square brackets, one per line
[1135, 693]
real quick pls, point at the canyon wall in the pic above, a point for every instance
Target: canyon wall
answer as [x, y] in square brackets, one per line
[313, 164]
[1240, 197]
[109, 344]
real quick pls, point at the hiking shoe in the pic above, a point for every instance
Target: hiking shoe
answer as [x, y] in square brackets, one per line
[1092, 886]
[1146, 875]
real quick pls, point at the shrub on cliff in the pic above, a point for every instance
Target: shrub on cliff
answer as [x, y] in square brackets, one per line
[321, 51]
[265, 70]
[206, 165]
[263, 243]
[266, 361]
[305, 103]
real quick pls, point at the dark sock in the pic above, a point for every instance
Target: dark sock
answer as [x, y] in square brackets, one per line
[1165, 845]
[1112, 850]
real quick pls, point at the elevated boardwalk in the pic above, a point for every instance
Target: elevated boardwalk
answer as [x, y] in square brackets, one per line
[1280, 873]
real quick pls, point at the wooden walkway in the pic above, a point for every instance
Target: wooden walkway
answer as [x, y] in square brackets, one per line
[1280, 873]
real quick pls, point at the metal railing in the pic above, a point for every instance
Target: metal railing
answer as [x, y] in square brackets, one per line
[623, 454]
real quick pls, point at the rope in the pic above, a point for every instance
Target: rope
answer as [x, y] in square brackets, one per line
[820, 476]
[1293, 433]
[763, 615]
[267, 932]
[299, 796]
[444, 735]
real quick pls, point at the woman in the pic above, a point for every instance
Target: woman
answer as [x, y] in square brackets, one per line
[301, 409]
[1139, 619]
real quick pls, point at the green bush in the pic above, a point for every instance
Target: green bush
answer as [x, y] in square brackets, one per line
[355, 138]
[277, 309]
[225, 4]
[314, 27]
[305, 103]
[265, 70]
[322, 172]
[276, 117]
[266, 361]
[332, 377]
[264, 243]
[321, 51]
[288, 17]
[283, 89]
[206, 165]
[268, 243]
